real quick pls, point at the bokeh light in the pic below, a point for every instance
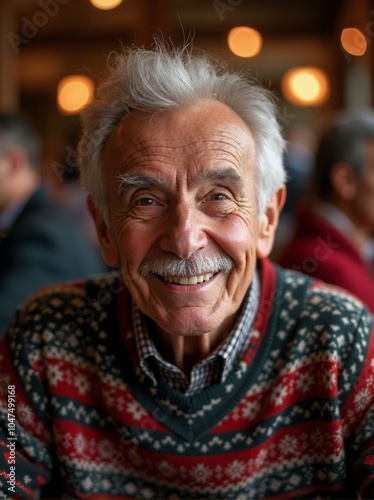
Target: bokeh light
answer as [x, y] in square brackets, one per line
[73, 93]
[353, 41]
[306, 86]
[105, 4]
[244, 41]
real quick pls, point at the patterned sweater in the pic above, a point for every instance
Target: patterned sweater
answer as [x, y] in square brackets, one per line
[293, 419]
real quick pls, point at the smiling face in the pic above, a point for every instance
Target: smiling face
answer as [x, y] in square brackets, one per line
[183, 222]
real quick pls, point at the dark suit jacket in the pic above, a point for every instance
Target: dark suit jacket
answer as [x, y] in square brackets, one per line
[44, 246]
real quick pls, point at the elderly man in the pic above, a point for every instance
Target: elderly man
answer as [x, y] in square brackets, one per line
[202, 371]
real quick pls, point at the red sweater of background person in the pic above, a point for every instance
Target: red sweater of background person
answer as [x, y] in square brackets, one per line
[319, 249]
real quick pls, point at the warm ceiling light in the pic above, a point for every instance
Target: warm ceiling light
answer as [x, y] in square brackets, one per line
[105, 4]
[244, 41]
[306, 86]
[73, 93]
[353, 41]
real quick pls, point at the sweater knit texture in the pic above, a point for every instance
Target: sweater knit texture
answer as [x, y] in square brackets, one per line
[293, 419]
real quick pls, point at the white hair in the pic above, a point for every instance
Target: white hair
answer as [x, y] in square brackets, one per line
[161, 79]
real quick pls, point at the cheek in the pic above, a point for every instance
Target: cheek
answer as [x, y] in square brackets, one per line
[134, 241]
[131, 251]
[366, 198]
[237, 238]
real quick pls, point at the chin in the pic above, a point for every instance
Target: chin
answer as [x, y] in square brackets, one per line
[189, 326]
[186, 329]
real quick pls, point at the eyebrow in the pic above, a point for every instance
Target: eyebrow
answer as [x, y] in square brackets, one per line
[220, 174]
[128, 180]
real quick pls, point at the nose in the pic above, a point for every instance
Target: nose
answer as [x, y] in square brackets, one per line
[183, 233]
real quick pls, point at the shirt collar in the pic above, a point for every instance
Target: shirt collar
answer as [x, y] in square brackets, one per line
[219, 363]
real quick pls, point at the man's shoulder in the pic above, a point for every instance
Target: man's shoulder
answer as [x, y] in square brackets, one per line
[43, 219]
[67, 322]
[71, 296]
[46, 235]
[321, 298]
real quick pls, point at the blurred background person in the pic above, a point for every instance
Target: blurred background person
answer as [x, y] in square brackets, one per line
[298, 162]
[62, 179]
[39, 243]
[333, 235]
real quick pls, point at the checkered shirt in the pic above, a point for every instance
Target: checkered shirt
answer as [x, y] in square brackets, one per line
[210, 370]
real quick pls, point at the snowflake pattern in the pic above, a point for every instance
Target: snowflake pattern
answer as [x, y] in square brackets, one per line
[251, 409]
[137, 410]
[80, 443]
[25, 414]
[55, 374]
[288, 445]
[278, 395]
[201, 473]
[235, 469]
[363, 399]
[82, 383]
[304, 381]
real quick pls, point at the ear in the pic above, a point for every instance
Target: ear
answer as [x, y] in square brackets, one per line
[344, 181]
[105, 234]
[269, 222]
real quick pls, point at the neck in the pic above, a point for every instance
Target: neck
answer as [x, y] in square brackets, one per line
[184, 351]
[187, 351]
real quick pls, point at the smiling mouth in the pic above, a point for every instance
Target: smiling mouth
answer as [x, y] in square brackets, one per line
[188, 280]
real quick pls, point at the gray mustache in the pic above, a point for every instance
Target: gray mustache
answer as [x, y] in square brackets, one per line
[170, 265]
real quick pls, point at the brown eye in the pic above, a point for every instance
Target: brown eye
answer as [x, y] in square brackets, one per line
[218, 197]
[145, 202]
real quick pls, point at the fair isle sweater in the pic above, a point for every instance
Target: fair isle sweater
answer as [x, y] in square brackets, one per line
[293, 419]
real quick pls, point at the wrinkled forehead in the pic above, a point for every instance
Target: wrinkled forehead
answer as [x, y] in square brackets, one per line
[210, 129]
